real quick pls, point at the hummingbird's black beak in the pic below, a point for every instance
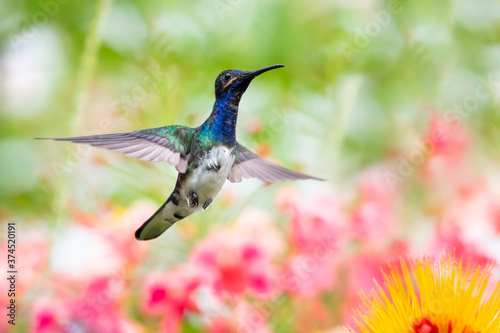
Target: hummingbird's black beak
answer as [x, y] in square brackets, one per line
[252, 74]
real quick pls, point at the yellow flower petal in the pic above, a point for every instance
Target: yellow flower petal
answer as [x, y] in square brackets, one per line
[421, 297]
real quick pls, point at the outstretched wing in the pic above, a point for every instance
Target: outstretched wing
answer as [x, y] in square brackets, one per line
[163, 144]
[249, 165]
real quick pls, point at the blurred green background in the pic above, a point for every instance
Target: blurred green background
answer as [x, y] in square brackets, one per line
[363, 81]
[359, 77]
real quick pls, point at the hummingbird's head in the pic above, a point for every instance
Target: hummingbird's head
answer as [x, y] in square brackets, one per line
[234, 82]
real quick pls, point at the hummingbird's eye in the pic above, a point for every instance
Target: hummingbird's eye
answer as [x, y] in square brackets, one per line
[227, 76]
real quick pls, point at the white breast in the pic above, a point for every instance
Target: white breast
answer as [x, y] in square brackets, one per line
[211, 174]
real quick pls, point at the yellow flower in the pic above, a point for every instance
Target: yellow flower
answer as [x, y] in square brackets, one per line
[428, 298]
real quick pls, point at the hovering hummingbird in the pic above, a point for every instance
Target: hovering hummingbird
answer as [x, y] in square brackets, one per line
[204, 156]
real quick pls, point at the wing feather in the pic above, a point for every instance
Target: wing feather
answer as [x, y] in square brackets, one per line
[156, 144]
[249, 165]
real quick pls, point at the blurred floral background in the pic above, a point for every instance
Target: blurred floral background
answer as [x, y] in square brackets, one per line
[394, 103]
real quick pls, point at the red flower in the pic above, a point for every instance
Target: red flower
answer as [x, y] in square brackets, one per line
[169, 295]
[235, 260]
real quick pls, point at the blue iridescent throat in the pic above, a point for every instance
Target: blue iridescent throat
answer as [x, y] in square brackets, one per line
[221, 125]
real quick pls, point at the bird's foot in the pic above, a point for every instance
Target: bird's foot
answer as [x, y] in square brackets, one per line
[207, 203]
[175, 197]
[178, 216]
[213, 167]
[193, 199]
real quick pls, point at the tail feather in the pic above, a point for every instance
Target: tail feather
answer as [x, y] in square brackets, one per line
[156, 224]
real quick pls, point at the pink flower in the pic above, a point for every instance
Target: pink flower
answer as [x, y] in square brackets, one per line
[315, 230]
[451, 241]
[495, 216]
[34, 251]
[169, 295]
[235, 260]
[373, 217]
[447, 138]
[447, 144]
[366, 267]
[313, 225]
[309, 273]
[99, 308]
[5, 299]
[232, 266]
[49, 316]
[468, 224]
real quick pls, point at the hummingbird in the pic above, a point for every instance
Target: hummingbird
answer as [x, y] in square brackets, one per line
[204, 156]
